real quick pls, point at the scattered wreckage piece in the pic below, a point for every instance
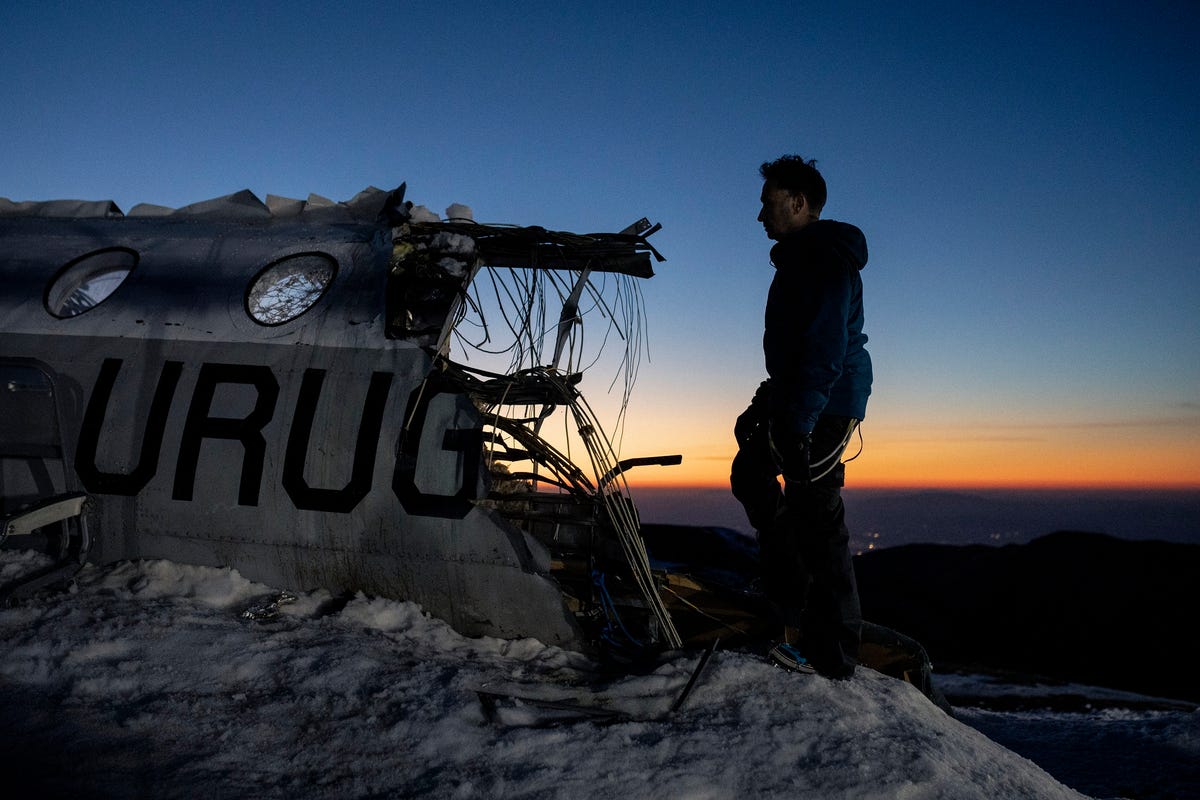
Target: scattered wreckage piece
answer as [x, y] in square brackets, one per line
[58, 521]
[516, 709]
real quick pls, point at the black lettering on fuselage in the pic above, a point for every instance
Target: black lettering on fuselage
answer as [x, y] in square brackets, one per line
[366, 444]
[199, 425]
[468, 441]
[129, 484]
[248, 430]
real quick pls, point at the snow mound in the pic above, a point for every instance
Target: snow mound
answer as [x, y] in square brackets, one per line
[145, 680]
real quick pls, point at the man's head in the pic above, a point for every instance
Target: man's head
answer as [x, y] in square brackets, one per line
[793, 195]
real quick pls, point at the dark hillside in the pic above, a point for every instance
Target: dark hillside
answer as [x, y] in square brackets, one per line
[1073, 606]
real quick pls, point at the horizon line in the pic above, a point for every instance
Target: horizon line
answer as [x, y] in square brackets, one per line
[964, 487]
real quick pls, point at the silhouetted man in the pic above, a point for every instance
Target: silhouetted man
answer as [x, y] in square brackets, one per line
[802, 418]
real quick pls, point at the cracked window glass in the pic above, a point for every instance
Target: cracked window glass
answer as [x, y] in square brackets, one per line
[287, 288]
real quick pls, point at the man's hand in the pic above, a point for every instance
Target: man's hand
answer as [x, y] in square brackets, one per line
[747, 423]
[750, 419]
[791, 451]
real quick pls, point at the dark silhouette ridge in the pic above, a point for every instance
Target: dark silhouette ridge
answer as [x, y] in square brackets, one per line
[1071, 606]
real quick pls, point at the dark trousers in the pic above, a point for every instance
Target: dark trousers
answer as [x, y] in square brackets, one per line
[804, 546]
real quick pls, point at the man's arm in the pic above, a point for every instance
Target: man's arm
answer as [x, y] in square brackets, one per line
[812, 329]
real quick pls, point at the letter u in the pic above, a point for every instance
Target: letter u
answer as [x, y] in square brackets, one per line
[94, 480]
[366, 444]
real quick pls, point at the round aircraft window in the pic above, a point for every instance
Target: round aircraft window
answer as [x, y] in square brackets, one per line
[88, 281]
[287, 288]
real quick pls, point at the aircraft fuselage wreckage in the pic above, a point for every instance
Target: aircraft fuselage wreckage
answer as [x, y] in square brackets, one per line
[271, 387]
[307, 391]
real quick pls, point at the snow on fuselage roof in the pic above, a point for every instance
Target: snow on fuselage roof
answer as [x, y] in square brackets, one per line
[498, 245]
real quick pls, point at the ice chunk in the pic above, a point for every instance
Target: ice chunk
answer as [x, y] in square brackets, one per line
[422, 214]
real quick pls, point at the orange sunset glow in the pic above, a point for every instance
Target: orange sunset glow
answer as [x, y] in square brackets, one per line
[1066, 458]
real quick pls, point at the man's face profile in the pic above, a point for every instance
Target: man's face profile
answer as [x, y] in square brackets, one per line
[782, 212]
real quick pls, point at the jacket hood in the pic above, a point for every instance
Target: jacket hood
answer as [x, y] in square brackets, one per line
[845, 241]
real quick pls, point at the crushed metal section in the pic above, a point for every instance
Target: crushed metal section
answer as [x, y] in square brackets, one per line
[582, 514]
[499, 311]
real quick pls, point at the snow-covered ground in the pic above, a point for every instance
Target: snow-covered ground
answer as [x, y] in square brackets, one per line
[146, 681]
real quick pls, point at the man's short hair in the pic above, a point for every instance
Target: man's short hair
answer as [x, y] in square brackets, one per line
[798, 176]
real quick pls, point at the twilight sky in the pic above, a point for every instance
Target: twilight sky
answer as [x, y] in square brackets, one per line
[1027, 175]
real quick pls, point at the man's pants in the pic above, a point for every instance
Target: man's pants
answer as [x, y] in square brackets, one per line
[804, 545]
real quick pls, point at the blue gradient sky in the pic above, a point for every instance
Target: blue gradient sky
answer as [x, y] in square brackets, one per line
[1027, 174]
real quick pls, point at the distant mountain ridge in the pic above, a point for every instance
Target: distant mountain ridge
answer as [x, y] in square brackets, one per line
[1003, 516]
[1072, 605]
[882, 518]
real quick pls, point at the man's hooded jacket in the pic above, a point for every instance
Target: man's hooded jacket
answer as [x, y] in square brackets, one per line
[814, 344]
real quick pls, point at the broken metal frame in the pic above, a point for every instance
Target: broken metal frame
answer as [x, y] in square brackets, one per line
[65, 511]
[543, 389]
